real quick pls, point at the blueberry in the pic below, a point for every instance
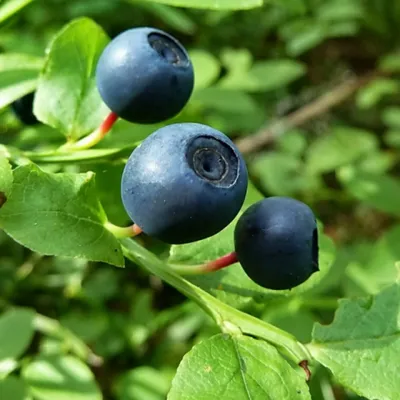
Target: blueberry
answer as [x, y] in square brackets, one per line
[145, 75]
[276, 242]
[185, 182]
[23, 109]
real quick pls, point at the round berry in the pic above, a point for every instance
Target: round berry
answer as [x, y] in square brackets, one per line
[144, 75]
[185, 182]
[276, 242]
[23, 109]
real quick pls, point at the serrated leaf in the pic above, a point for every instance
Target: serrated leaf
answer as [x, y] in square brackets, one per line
[339, 147]
[16, 332]
[59, 214]
[213, 4]
[59, 377]
[13, 388]
[67, 98]
[231, 368]
[362, 345]
[18, 76]
[376, 190]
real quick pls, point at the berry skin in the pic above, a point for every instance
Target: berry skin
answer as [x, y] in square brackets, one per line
[184, 183]
[276, 242]
[23, 109]
[145, 75]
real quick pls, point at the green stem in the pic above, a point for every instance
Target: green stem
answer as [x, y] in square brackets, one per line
[322, 303]
[219, 311]
[123, 232]
[93, 138]
[222, 262]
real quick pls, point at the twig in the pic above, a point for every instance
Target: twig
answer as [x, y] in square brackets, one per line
[319, 106]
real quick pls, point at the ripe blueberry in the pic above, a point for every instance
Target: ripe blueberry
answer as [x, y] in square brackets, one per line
[145, 75]
[185, 182]
[23, 109]
[276, 242]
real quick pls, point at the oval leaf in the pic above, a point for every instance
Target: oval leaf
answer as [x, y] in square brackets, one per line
[18, 76]
[60, 377]
[16, 331]
[231, 368]
[67, 98]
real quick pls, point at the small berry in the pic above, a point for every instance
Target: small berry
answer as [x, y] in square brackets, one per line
[23, 109]
[145, 75]
[276, 242]
[185, 182]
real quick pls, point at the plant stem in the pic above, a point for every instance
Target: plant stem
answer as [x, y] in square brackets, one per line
[123, 232]
[93, 138]
[219, 311]
[211, 266]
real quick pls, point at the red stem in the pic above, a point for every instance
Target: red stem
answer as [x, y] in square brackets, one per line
[222, 262]
[108, 123]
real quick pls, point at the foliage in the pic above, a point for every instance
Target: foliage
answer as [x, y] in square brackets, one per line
[72, 325]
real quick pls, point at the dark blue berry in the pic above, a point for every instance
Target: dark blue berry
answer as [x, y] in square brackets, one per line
[276, 242]
[184, 183]
[145, 75]
[23, 109]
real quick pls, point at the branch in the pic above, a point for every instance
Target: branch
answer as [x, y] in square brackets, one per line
[319, 106]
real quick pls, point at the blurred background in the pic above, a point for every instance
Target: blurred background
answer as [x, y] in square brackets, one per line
[309, 90]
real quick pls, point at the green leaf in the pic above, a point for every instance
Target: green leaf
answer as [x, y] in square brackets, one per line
[59, 214]
[206, 68]
[230, 368]
[339, 147]
[262, 76]
[16, 331]
[392, 138]
[362, 345]
[391, 117]
[18, 76]
[225, 100]
[6, 179]
[390, 62]
[143, 383]
[67, 98]
[371, 94]
[378, 191]
[58, 377]
[12, 7]
[274, 74]
[278, 173]
[13, 388]
[213, 4]
[174, 17]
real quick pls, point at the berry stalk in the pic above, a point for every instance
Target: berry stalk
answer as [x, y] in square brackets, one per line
[123, 232]
[93, 138]
[211, 266]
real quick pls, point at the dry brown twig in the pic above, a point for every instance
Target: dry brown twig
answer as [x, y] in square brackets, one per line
[319, 106]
